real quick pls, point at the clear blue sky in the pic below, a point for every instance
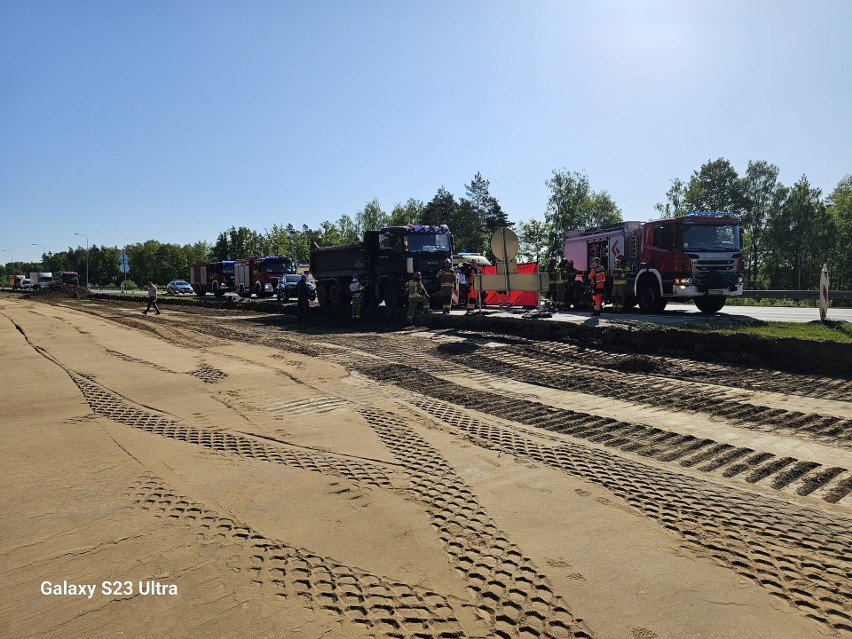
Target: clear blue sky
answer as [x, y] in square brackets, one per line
[176, 119]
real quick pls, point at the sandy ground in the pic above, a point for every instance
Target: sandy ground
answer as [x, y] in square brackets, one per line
[204, 486]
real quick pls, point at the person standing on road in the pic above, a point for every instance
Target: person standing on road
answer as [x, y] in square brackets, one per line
[356, 290]
[302, 295]
[597, 280]
[569, 275]
[561, 286]
[448, 282]
[417, 294]
[152, 299]
[551, 279]
[619, 283]
[462, 279]
[472, 293]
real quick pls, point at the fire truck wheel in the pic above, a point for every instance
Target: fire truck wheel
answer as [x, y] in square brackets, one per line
[710, 304]
[650, 298]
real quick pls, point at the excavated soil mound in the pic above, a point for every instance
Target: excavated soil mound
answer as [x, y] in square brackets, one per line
[58, 291]
[638, 364]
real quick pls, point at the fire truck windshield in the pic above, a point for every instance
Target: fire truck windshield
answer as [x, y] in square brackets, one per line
[709, 237]
[278, 265]
[428, 242]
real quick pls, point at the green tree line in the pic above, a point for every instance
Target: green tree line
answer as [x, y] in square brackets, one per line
[790, 231]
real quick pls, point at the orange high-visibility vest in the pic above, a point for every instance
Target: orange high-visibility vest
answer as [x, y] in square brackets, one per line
[597, 277]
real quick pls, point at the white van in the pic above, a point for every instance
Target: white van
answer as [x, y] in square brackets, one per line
[471, 258]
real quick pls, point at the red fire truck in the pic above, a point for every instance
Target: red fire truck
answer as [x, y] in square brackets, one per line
[260, 275]
[697, 256]
[212, 277]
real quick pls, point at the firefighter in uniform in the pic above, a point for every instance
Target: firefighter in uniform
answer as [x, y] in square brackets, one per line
[356, 290]
[597, 280]
[551, 278]
[569, 274]
[417, 294]
[559, 288]
[619, 283]
[447, 276]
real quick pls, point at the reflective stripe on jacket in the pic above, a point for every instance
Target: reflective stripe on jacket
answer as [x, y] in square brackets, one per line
[414, 289]
[448, 278]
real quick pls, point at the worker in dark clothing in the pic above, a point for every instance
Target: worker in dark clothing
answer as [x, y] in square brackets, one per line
[356, 290]
[597, 280]
[302, 295]
[569, 276]
[551, 286]
[559, 285]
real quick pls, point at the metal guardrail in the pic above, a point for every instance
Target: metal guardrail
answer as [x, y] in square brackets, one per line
[796, 295]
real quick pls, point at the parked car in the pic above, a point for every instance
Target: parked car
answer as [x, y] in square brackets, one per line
[287, 287]
[179, 287]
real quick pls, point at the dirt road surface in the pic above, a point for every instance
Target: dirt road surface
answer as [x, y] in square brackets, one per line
[227, 474]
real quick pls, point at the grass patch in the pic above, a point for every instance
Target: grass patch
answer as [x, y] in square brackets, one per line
[829, 331]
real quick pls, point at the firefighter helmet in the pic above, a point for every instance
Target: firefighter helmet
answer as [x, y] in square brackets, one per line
[620, 259]
[355, 276]
[563, 262]
[569, 263]
[417, 275]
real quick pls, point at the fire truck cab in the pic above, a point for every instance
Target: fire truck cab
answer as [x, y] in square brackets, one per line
[260, 275]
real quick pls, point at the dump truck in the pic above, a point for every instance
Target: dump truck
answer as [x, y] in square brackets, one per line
[385, 260]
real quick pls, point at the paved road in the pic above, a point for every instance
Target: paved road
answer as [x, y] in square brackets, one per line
[687, 313]
[674, 313]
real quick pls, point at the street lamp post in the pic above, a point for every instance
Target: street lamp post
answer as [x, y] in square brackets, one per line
[43, 252]
[87, 256]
